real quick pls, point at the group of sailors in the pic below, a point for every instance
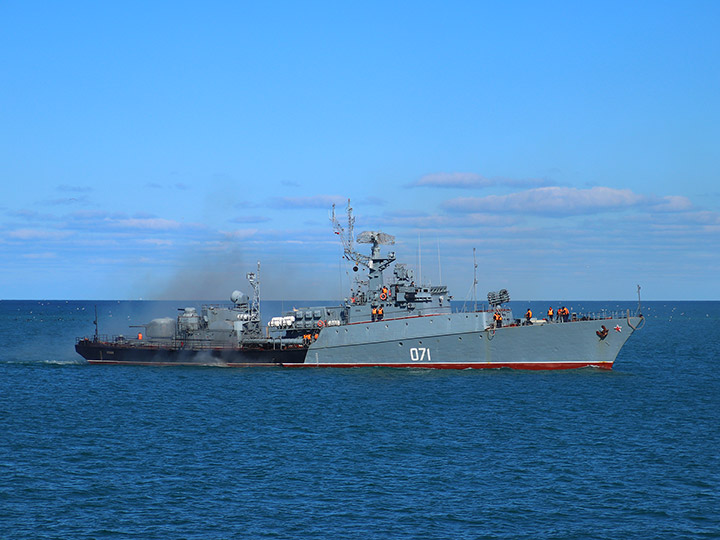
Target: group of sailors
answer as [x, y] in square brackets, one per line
[563, 314]
[377, 311]
[308, 338]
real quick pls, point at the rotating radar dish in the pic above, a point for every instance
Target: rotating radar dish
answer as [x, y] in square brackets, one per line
[375, 237]
[237, 297]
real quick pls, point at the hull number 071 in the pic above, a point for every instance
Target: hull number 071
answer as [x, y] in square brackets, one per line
[420, 354]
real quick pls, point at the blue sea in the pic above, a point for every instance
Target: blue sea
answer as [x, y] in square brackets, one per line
[115, 452]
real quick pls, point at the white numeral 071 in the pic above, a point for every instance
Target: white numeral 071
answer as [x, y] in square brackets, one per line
[418, 354]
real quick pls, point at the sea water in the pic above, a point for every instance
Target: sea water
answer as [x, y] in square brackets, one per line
[114, 452]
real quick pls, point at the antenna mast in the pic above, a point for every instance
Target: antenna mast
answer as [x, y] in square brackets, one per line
[375, 263]
[254, 280]
[420, 260]
[475, 281]
[439, 263]
[346, 236]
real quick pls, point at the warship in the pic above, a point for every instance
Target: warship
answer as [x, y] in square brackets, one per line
[384, 322]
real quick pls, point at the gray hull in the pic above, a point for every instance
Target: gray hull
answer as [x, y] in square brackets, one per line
[460, 341]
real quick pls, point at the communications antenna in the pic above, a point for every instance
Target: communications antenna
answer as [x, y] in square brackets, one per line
[419, 261]
[475, 281]
[254, 280]
[439, 263]
[346, 235]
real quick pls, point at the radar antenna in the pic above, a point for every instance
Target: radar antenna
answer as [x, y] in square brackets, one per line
[375, 262]
[376, 239]
[496, 299]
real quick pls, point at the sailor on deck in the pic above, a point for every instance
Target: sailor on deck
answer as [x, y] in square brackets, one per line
[528, 316]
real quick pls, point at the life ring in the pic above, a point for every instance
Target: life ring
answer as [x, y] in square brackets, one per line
[321, 324]
[383, 296]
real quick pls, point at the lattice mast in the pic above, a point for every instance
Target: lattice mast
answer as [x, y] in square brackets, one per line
[254, 280]
[375, 263]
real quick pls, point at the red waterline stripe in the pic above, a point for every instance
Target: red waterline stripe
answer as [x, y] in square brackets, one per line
[472, 365]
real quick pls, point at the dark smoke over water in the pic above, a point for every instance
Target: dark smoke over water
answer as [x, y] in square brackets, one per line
[206, 277]
[213, 277]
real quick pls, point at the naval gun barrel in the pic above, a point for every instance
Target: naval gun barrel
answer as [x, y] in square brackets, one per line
[276, 341]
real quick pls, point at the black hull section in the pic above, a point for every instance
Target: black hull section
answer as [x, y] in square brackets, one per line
[98, 352]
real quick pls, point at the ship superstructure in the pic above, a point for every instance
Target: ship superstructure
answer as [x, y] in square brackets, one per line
[400, 323]
[216, 335]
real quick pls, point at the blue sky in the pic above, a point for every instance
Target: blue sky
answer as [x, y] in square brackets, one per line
[158, 150]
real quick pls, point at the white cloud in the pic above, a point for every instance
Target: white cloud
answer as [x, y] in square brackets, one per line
[147, 223]
[551, 201]
[88, 214]
[158, 242]
[445, 221]
[41, 256]
[700, 217]
[464, 180]
[67, 201]
[239, 234]
[454, 180]
[318, 201]
[37, 234]
[706, 217]
[250, 219]
[672, 203]
[557, 201]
